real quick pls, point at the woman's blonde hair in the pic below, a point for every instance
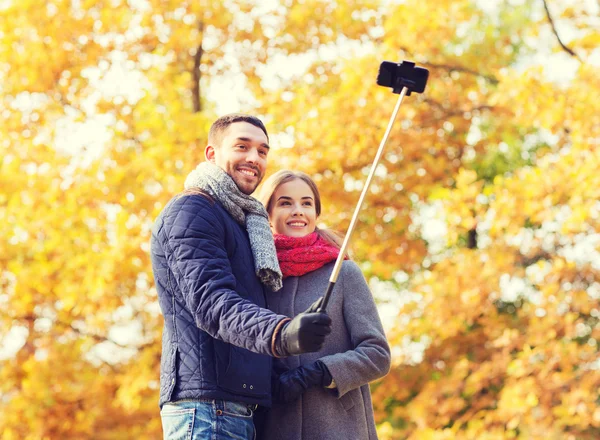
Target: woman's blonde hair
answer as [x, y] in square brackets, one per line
[283, 176]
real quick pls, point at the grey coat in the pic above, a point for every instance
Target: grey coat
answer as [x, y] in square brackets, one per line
[356, 353]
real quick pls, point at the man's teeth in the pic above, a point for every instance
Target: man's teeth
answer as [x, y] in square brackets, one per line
[248, 173]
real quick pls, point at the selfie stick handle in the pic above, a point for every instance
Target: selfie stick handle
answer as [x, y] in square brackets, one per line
[340, 258]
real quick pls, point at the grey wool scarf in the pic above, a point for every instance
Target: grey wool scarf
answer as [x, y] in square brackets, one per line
[248, 212]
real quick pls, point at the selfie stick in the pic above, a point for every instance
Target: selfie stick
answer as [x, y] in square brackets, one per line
[403, 78]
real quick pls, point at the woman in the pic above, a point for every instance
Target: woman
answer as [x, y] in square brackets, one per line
[323, 395]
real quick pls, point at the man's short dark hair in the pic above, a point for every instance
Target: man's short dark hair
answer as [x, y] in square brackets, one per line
[215, 135]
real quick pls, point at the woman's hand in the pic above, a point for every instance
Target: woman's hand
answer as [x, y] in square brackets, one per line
[290, 385]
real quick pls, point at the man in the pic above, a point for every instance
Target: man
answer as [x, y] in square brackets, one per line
[213, 256]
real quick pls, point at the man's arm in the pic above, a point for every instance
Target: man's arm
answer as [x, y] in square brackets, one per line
[196, 254]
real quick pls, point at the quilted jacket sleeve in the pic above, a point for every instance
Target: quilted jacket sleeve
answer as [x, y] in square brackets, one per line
[195, 244]
[370, 359]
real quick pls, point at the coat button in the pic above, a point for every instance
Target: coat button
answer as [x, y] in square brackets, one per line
[251, 387]
[219, 412]
[244, 385]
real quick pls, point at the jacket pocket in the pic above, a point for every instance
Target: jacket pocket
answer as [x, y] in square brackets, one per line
[168, 372]
[347, 401]
[246, 373]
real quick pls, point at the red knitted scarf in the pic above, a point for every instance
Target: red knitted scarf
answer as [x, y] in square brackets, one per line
[301, 255]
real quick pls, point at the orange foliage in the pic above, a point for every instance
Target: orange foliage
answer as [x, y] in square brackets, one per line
[498, 318]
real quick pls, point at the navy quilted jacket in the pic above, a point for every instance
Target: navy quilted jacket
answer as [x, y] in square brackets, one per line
[217, 333]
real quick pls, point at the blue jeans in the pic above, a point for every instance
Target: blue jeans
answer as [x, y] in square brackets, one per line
[207, 420]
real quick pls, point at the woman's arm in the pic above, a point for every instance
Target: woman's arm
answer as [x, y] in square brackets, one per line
[370, 359]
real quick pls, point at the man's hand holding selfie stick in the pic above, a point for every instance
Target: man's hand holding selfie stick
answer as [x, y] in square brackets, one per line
[305, 333]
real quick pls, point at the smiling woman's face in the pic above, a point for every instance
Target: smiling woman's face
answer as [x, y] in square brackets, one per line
[293, 212]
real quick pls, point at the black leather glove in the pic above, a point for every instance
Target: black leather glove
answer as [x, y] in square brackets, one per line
[290, 385]
[305, 333]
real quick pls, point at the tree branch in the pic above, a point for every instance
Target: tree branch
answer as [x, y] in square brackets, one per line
[196, 74]
[30, 320]
[451, 68]
[101, 338]
[449, 114]
[472, 238]
[461, 69]
[456, 112]
[563, 45]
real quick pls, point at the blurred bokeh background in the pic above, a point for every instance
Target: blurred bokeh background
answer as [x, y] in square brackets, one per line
[480, 237]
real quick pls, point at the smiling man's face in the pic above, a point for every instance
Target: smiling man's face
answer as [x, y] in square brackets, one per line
[242, 154]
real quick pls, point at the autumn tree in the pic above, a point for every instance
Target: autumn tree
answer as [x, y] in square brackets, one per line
[497, 329]
[506, 310]
[481, 225]
[105, 109]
